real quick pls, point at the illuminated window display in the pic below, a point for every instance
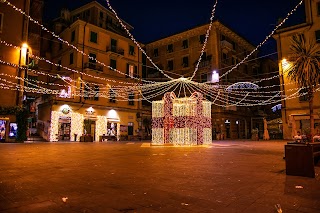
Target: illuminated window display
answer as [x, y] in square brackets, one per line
[13, 130]
[2, 130]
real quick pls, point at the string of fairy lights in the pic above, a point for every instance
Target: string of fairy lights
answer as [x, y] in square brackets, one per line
[148, 90]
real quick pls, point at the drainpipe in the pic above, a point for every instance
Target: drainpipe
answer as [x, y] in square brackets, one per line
[83, 39]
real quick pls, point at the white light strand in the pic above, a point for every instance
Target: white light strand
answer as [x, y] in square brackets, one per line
[272, 32]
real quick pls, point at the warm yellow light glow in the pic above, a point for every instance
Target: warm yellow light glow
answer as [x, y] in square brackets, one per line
[112, 114]
[24, 54]
[285, 64]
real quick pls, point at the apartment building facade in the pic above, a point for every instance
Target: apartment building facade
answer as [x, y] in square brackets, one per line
[295, 111]
[178, 54]
[95, 108]
[16, 30]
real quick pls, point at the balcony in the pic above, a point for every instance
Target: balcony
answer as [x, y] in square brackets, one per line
[118, 51]
[93, 66]
[226, 45]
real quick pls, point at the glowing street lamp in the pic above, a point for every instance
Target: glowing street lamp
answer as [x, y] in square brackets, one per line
[214, 77]
[24, 55]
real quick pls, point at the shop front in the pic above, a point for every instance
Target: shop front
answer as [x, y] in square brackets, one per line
[89, 124]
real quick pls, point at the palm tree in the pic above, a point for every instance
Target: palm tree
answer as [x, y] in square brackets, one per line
[305, 69]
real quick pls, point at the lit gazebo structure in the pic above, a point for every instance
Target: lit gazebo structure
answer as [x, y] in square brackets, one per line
[181, 121]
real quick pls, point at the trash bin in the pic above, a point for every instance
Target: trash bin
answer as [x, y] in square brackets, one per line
[299, 160]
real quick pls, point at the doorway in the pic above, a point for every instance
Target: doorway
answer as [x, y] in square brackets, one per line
[64, 128]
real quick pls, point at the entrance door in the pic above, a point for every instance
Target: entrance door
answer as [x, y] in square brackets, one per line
[228, 130]
[130, 128]
[64, 128]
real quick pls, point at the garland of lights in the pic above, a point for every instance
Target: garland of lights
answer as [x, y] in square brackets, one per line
[264, 41]
[68, 44]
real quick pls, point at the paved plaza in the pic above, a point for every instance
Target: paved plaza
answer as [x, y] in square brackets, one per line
[227, 176]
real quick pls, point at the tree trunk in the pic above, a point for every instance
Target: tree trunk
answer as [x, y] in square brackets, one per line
[311, 117]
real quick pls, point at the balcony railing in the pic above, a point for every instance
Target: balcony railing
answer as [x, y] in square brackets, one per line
[93, 66]
[119, 51]
[226, 44]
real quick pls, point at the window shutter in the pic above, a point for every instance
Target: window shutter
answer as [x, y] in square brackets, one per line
[127, 72]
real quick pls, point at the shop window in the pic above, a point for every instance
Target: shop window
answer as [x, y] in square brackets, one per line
[13, 130]
[2, 130]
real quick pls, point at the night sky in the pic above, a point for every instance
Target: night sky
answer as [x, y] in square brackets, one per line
[253, 19]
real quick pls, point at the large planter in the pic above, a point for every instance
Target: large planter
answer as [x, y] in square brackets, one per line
[86, 138]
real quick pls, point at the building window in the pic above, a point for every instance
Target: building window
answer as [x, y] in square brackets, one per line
[58, 67]
[234, 61]
[131, 98]
[170, 48]
[1, 22]
[92, 58]
[204, 56]
[246, 69]
[131, 50]
[303, 97]
[155, 52]
[170, 65]
[130, 70]
[101, 14]
[318, 8]
[202, 38]
[112, 96]
[93, 37]
[185, 44]
[317, 36]
[73, 36]
[233, 45]
[185, 61]
[71, 58]
[113, 63]
[224, 58]
[113, 45]
[204, 77]
[91, 92]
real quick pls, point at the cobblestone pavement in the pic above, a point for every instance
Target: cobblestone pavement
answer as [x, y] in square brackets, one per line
[227, 176]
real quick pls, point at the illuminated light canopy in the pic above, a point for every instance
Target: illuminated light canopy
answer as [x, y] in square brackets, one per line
[181, 121]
